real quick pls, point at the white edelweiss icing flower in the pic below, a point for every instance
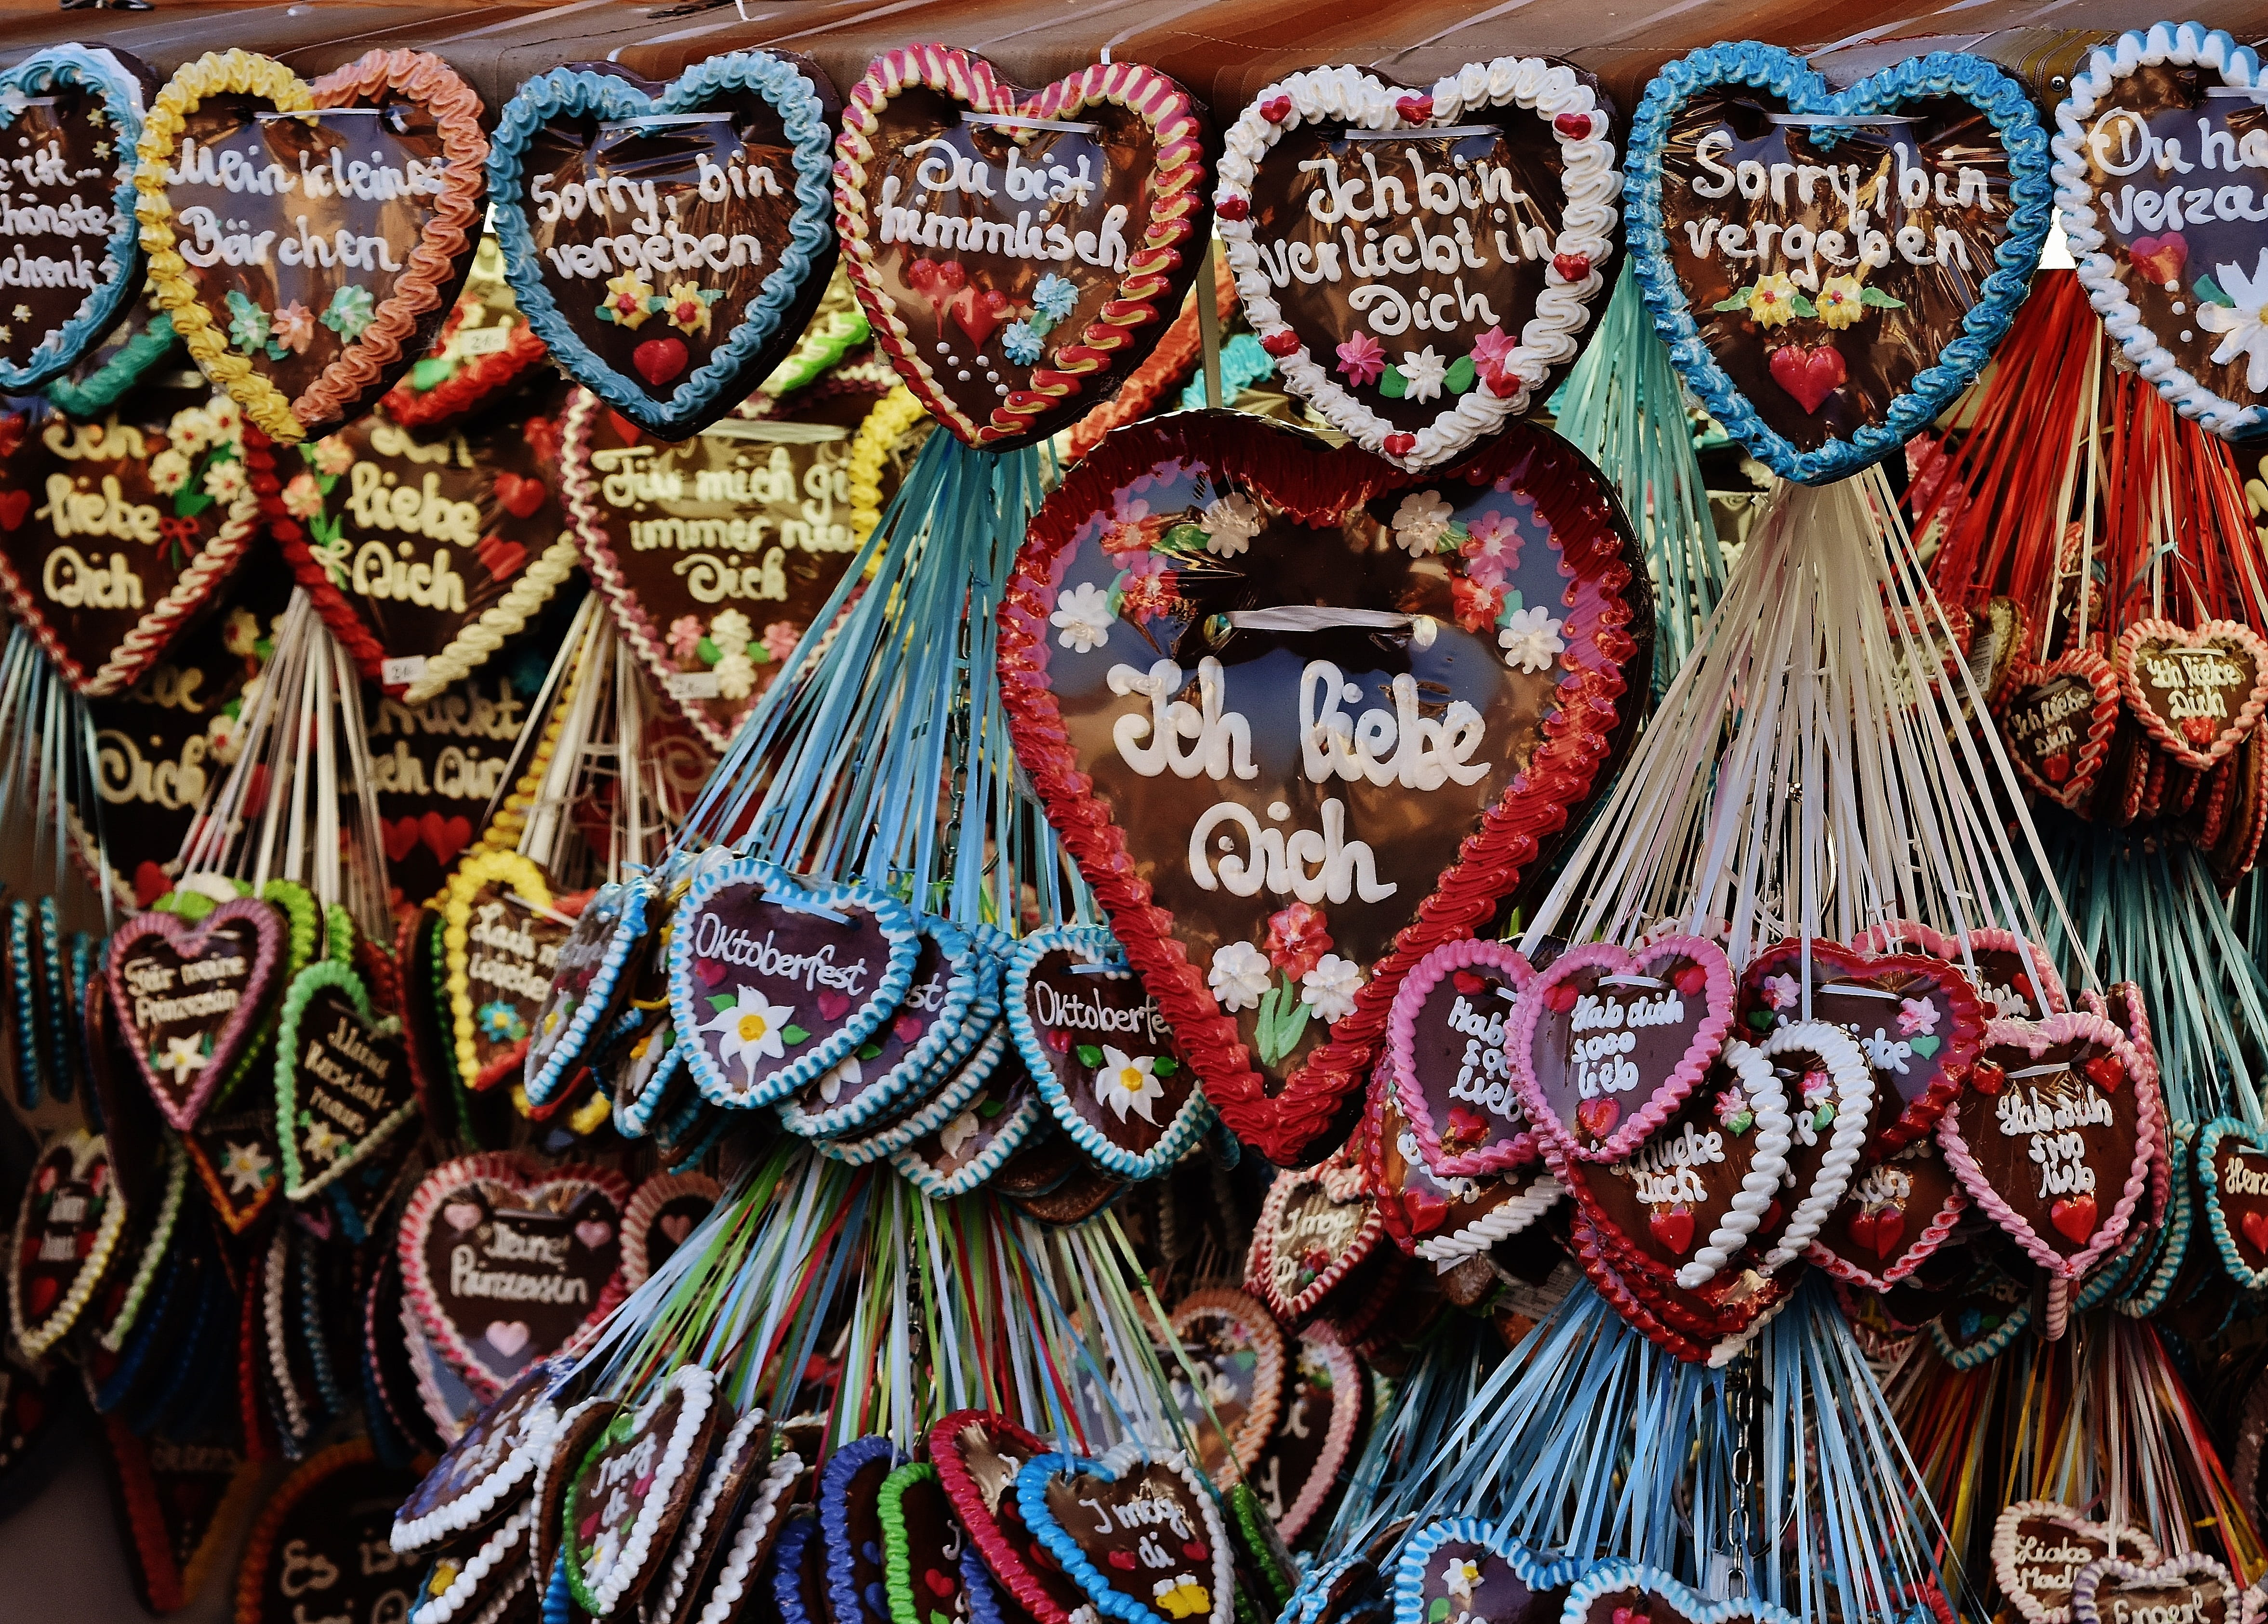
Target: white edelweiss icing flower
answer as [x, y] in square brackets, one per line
[1084, 617]
[1239, 976]
[1423, 371]
[1329, 987]
[1420, 522]
[1230, 522]
[750, 1028]
[1127, 1082]
[2244, 326]
[1530, 639]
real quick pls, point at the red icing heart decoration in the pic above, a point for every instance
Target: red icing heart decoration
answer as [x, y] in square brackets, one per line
[139, 519]
[1273, 921]
[1015, 273]
[497, 1264]
[1605, 1025]
[413, 559]
[440, 764]
[187, 997]
[1810, 374]
[2058, 719]
[2158, 259]
[1917, 1019]
[2197, 693]
[1445, 1048]
[2050, 1156]
[1453, 313]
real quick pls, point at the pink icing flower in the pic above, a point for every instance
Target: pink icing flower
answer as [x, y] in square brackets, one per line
[1128, 530]
[1362, 358]
[1781, 992]
[1818, 1086]
[293, 326]
[1297, 938]
[1147, 593]
[1916, 1015]
[1491, 350]
[1732, 1109]
[780, 638]
[303, 498]
[684, 636]
[1492, 537]
[1476, 601]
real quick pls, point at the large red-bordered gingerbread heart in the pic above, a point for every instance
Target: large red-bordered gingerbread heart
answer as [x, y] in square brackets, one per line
[978, 1455]
[1087, 202]
[1282, 607]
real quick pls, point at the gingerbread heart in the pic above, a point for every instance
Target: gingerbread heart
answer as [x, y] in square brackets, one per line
[670, 296]
[189, 996]
[1829, 1089]
[717, 554]
[968, 1147]
[505, 1262]
[342, 1084]
[1608, 1041]
[1316, 1227]
[1917, 1019]
[2056, 1136]
[2177, 281]
[1237, 1351]
[1494, 199]
[1017, 254]
[951, 1000]
[1689, 1197]
[1446, 1044]
[483, 350]
[1299, 1467]
[1896, 1213]
[1440, 1217]
[589, 987]
[2197, 692]
[1166, 1562]
[774, 979]
[666, 1208]
[2039, 1546]
[1479, 1569]
[2187, 1583]
[237, 1161]
[1826, 322]
[322, 1518]
[418, 562]
[1271, 602]
[733, 1528]
[2013, 977]
[922, 1548]
[500, 944]
[1100, 1048]
[307, 240]
[1622, 1591]
[978, 1456]
[850, 1530]
[183, 1504]
[2058, 718]
[67, 1229]
[2233, 1177]
[633, 1487]
[75, 114]
[476, 1476]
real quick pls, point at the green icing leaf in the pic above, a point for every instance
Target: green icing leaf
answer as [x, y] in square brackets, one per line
[720, 1002]
[2210, 292]
[1739, 301]
[793, 1034]
[1459, 376]
[1394, 385]
[1088, 1055]
[1879, 300]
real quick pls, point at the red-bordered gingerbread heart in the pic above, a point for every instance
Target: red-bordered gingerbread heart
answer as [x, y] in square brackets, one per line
[1898, 1211]
[1316, 1227]
[1280, 606]
[977, 1456]
[1018, 254]
[2058, 718]
[2197, 692]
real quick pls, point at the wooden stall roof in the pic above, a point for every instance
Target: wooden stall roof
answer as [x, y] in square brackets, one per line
[1223, 49]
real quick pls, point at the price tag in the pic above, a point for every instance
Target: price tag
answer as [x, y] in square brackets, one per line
[483, 341]
[401, 672]
[692, 684]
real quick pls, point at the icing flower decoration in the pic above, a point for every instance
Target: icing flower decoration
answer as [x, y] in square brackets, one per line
[1774, 299]
[294, 328]
[350, 311]
[224, 480]
[324, 1141]
[753, 1028]
[1230, 522]
[190, 431]
[169, 471]
[1129, 530]
[1297, 938]
[1530, 639]
[1492, 360]
[736, 676]
[1020, 342]
[227, 422]
[500, 1023]
[1084, 616]
[625, 303]
[239, 634]
[780, 638]
[1422, 372]
[1056, 296]
[1491, 546]
[1733, 1112]
[684, 636]
[183, 1056]
[1476, 603]
[12, 103]
[1916, 1015]
[953, 1137]
[1842, 302]
[2243, 323]
[1362, 358]
[246, 1167]
[686, 307]
[729, 629]
[1127, 1082]
[1819, 1097]
[1330, 986]
[1781, 991]
[1420, 522]
[1239, 976]
[1459, 1575]
[303, 498]
[332, 455]
[845, 1070]
[247, 324]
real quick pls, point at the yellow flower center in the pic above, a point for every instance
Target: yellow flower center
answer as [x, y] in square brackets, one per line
[1130, 1078]
[752, 1028]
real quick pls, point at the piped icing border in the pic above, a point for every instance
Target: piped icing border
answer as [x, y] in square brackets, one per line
[87, 1151]
[695, 1388]
[1401, 1060]
[1569, 108]
[326, 972]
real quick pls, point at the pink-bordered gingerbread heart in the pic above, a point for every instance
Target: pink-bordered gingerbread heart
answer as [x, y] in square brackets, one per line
[1446, 1039]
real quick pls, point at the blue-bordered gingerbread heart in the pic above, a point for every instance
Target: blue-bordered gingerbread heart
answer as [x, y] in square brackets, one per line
[773, 978]
[930, 1031]
[74, 254]
[1831, 268]
[1461, 1565]
[716, 188]
[1136, 1530]
[587, 988]
[850, 1530]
